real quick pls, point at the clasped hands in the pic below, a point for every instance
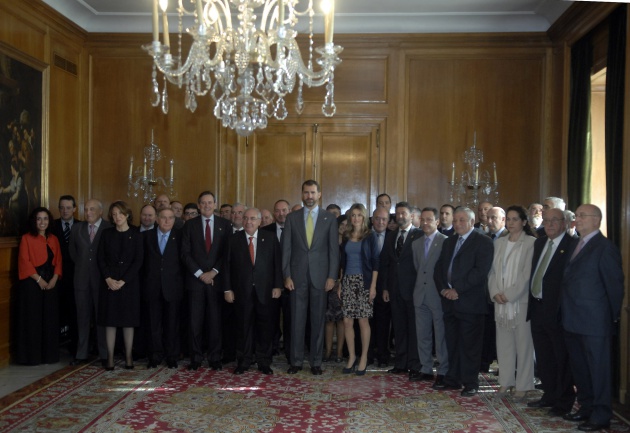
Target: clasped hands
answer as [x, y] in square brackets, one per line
[450, 294]
[229, 295]
[114, 284]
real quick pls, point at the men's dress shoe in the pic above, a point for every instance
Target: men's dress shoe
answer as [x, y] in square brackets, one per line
[104, 362]
[240, 370]
[469, 392]
[397, 370]
[317, 371]
[382, 364]
[440, 384]
[265, 369]
[556, 411]
[294, 369]
[540, 403]
[576, 416]
[193, 366]
[152, 364]
[216, 365]
[77, 361]
[415, 376]
[171, 363]
[589, 426]
[129, 366]
[426, 376]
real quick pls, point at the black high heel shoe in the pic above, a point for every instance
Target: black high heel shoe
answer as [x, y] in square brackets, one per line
[129, 367]
[361, 372]
[347, 370]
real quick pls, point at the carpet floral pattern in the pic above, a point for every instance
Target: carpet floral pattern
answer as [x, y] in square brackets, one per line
[90, 399]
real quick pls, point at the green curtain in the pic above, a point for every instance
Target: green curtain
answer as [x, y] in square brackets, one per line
[579, 150]
[615, 77]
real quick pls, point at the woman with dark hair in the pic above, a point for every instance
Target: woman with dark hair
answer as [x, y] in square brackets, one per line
[334, 315]
[508, 284]
[120, 256]
[359, 269]
[36, 311]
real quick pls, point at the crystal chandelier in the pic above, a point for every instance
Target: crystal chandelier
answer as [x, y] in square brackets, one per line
[248, 64]
[143, 180]
[474, 184]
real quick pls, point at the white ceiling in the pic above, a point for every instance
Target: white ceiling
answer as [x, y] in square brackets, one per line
[351, 16]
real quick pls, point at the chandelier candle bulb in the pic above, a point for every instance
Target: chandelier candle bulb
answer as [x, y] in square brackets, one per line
[131, 168]
[200, 12]
[453, 174]
[280, 13]
[156, 24]
[494, 165]
[145, 168]
[164, 6]
[329, 21]
[172, 164]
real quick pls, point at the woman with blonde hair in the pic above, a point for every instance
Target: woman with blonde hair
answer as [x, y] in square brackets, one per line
[359, 269]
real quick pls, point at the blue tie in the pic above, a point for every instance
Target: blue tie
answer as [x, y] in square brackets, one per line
[458, 245]
[163, 243]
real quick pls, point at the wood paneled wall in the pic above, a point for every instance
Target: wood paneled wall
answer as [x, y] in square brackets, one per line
[407, 107]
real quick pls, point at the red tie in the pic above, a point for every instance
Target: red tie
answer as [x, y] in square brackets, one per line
[208, 236]
[251, 250]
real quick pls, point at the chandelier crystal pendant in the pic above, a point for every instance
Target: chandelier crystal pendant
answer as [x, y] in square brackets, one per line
[248, 64]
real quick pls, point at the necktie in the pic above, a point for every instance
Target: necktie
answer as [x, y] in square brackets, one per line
[92, 233]
[251, 250]
[66, 232]
[577, 249]
[163, 243]
[427, 245]
[208, 236]
[310, 228]
[458, 245]
[380, 238]
[493, 236]
[540, 272]
[400, 242]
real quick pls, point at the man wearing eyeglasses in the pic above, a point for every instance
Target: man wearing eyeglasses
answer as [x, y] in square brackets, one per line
[190, 211]
[551, 254]
[592, 293]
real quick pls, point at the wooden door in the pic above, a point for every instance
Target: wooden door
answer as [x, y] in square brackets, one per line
[343, 158]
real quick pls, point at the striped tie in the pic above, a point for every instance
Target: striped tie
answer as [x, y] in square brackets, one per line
[66, 232]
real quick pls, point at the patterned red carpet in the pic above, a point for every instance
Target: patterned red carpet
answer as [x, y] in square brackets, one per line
[89, 399]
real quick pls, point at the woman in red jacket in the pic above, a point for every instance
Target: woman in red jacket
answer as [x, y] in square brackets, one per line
[36, 307]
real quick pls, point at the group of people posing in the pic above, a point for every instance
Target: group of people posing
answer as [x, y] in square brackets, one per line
[556, 289]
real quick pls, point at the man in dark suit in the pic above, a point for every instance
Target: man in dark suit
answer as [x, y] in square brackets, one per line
[62, 228]
[162, 289]
[551, 254]
[426, 299]
[592, 293]
[446, 220]
[204, 248]
[310, 265]
[253, 284]
[461, 278]
[280, 211]
[83, 249]
[380, 323]
[397, 277]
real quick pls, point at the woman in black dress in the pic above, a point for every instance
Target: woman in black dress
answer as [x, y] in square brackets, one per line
[36, 307]
[119, 259]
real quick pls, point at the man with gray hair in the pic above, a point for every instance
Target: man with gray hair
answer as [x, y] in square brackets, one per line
[83, 249]
[253, 285]
[569, 219]
[550, 203]
[461, 278]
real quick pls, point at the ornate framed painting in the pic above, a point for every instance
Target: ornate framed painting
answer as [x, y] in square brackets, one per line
[23, 139]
